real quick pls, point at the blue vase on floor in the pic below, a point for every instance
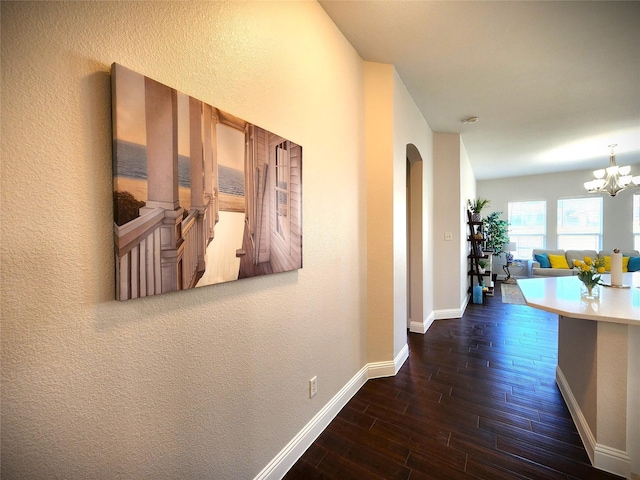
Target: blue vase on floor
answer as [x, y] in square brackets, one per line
[477, 294]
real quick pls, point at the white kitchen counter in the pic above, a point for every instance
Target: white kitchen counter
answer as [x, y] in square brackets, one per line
[598, 370]
[561, 295]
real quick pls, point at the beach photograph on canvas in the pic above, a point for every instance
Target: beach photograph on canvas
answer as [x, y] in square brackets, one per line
[200, 196]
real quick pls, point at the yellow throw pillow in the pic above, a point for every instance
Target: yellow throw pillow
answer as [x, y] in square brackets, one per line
[558, 261]
[607, 263]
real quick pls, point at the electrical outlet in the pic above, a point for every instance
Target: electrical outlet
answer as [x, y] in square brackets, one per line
[313, 386]
[448, 236]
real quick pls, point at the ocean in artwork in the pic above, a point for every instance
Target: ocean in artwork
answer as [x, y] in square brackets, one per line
[230, 180]
[132, 163]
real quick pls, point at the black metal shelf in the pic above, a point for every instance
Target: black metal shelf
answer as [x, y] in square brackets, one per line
[475, 229]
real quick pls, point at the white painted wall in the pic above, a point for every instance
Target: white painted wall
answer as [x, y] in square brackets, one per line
[208, 383]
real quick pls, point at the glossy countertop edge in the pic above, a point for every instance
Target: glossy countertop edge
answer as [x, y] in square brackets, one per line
[561, 295]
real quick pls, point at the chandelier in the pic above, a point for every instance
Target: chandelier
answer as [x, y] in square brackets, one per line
[617, 178]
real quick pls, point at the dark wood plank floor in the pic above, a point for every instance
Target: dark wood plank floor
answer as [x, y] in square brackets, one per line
[477, 398]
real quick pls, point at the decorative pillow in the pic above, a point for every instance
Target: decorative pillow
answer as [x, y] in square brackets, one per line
[634, 264]
[558, 261]
[607, 263]
[543, 260]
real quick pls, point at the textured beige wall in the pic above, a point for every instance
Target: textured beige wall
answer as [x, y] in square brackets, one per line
[208, 383]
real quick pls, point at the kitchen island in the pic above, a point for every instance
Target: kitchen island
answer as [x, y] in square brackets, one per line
[598, 371]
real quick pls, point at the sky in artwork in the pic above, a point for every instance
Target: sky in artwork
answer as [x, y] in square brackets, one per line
[130, 108]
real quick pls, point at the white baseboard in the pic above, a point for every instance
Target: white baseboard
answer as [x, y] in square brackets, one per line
[400, 359]
[603, 457]
[422, 327]
[588, 440]
[388, 369]
[612, 460]
[448, 313]
[289, 455]
[452, 312]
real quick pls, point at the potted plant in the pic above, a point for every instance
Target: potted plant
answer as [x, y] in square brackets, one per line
[497, 232]
[482, 265]
[476, 206]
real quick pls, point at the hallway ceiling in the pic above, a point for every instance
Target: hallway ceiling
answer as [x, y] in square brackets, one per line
[553, 83]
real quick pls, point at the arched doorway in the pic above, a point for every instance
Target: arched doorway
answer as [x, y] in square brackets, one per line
[415, 296]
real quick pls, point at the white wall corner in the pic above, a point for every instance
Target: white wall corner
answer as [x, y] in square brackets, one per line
[448, 313]
[422, 327]
[389, 368]
[401, 358]
[612, 460]
[453, 313]
[465, 303]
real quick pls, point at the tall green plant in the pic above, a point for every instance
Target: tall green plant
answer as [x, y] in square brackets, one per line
[497, 232]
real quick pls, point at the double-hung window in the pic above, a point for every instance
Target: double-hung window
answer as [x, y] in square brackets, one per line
[527, 226]
[580, 223]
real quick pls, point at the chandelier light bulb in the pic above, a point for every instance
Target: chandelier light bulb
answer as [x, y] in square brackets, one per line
[617, 178]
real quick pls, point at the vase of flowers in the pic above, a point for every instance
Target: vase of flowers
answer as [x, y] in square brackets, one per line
[589, 273]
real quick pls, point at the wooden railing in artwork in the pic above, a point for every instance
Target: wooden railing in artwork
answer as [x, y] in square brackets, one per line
[190, 253]
[138, 262]
[140, 253]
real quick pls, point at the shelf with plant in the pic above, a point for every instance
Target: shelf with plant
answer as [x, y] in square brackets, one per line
[476, 206]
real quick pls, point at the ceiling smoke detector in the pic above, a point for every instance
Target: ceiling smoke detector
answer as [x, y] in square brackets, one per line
[470, 120]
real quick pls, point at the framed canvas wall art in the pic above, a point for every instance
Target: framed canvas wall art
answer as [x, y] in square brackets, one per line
[200, 196]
